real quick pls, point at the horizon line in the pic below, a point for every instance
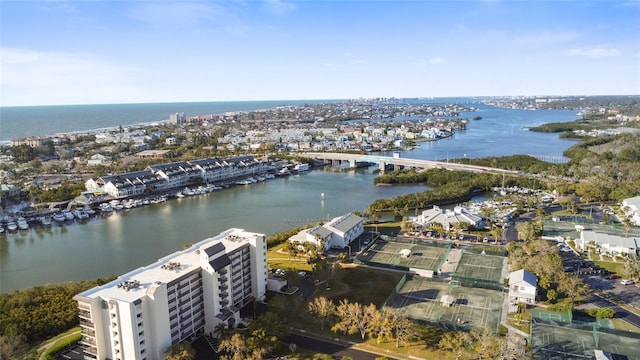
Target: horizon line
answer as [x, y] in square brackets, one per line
[328, 99]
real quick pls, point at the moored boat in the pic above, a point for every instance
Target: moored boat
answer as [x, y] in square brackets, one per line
[12, 226]
[45, 220]
[301, 167]
[68, 215]
[58, 217]
[23, 224]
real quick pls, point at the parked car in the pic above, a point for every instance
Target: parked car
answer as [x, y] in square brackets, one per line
[626, 282]
[612, 277]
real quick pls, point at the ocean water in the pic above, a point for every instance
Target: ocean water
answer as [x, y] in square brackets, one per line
[22, 121]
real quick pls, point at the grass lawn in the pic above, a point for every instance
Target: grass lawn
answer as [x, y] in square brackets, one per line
[388, 227]
[278, 258]
[614, 267]
[623, 325]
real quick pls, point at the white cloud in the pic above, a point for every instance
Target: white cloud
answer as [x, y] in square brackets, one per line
[39, 77]
[437, 61]
[279, 7]
[594, 53]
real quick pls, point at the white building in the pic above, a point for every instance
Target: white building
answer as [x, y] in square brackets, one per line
[337, 233]
[632, 207]
[523, 287]
[143, 312]
[447, 217]
[608, 244]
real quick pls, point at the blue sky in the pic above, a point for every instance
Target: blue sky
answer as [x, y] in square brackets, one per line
[86, 52]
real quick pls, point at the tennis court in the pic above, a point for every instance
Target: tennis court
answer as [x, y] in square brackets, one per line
[416, 255]
[420, 299]
[473, 268]
[553, 342]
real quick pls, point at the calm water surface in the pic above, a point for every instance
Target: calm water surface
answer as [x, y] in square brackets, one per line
[132, 238]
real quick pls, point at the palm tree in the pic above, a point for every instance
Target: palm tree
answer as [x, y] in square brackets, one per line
[220, 330]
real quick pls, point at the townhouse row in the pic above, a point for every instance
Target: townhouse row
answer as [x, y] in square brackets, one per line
[163, 177]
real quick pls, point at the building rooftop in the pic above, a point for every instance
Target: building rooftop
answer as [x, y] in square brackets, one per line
[137, 283]
[344, 223]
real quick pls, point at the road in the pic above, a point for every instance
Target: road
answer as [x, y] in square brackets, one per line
[621, 313]
[336, 348]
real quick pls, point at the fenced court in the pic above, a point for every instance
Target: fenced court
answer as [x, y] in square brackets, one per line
[573, 341]
[479, 270]
[422, 255]
[420, 299]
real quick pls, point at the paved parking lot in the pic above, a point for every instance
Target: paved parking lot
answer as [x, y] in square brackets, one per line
[597, 279]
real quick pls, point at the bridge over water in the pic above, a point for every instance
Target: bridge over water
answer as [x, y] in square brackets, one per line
[340, 159]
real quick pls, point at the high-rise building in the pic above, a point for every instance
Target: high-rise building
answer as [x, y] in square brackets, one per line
[177, 118]
[183, 295]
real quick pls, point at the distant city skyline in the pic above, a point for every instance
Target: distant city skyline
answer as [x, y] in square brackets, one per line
[105, 52]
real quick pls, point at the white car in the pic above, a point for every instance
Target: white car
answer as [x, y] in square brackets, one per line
[626, 282]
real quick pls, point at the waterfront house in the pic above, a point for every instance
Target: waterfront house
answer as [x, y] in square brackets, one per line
[523, 287]
[125, 185]
[177, 174]
[338, 233]
[344, 229]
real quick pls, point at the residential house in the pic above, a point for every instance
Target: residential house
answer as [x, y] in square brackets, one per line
[523, 287]
[447, 218]
[337, 233]
[612, 245]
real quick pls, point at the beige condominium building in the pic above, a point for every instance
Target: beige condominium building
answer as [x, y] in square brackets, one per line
[181, 296]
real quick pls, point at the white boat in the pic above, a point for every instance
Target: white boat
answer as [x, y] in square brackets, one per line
[58, 217]
[301, 167]
[45, 220]
[284, 171]
[188, 192]
[1, 230]
[106, 209]
[243, 182]
[23, 224]
[89, 211]
[68, 215]
[11, 225]
[80, 214]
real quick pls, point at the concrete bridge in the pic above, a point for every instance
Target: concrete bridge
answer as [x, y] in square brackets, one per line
[340, 159]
